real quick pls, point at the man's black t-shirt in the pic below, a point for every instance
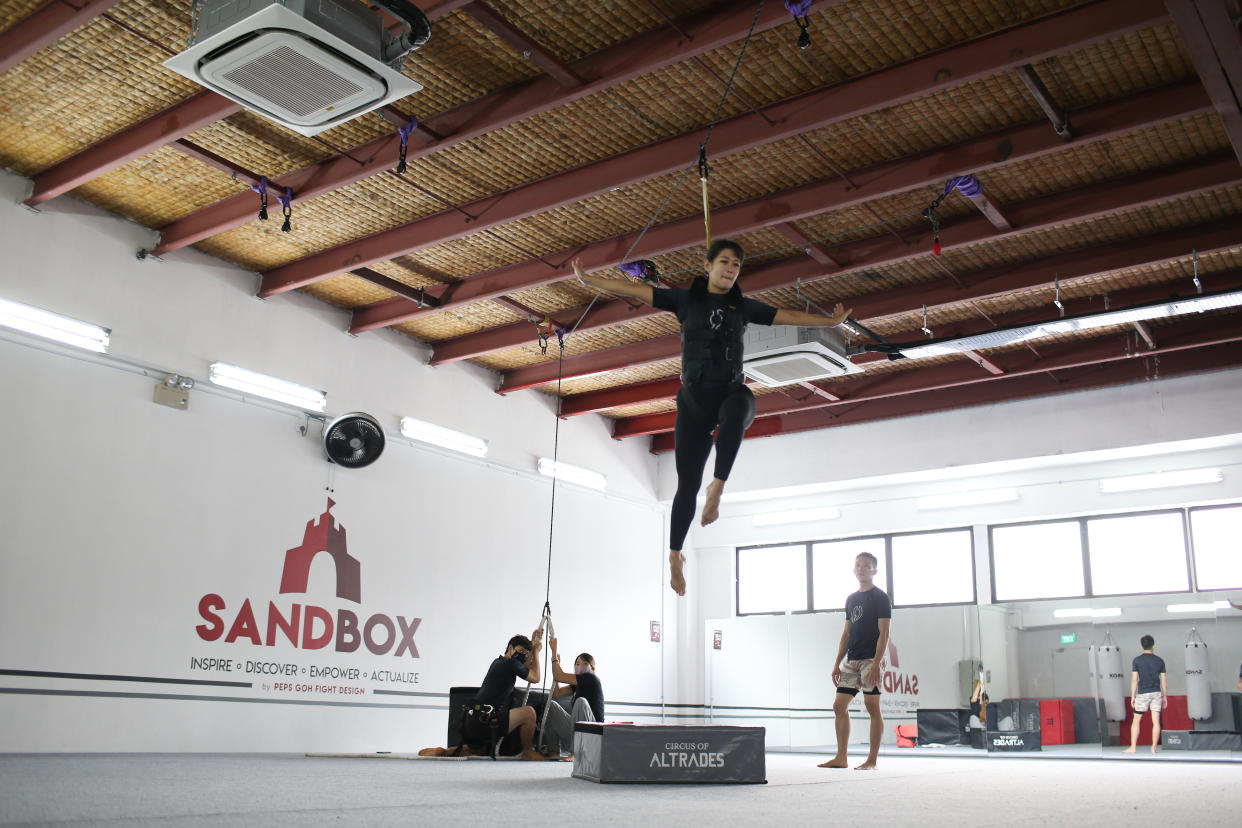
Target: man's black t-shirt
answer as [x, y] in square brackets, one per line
[589, 688]
[677, 300]
[500, 679]
[1149, 666]
[864, 611]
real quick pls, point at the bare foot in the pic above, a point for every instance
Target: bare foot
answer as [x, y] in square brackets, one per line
[532, 755]
[868, 765]
[835, 763]
[1153, 748]
[1129, 749]
[676, 561]
[433, 751]
[711, 509]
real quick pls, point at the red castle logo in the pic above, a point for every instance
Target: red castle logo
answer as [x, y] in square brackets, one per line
[323, 536]
[311, 627]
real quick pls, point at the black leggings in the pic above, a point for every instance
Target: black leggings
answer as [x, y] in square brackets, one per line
[702, 407]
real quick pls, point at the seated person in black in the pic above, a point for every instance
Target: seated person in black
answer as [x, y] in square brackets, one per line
[713, 396]
[497, 686]
[586, 700]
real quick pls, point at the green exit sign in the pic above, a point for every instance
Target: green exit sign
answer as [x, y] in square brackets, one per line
[1069, 638]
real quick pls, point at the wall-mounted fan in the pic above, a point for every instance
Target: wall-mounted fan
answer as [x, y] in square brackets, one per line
[353, 440]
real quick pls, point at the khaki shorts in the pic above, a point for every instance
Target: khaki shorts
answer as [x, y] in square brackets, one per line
[1143, 701]
[853, 678]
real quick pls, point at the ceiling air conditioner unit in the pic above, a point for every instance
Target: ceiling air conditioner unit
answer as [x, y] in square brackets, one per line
[306, 64]
[784, 354]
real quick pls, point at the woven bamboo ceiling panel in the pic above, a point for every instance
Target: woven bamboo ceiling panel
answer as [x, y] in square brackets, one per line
[1095, 144]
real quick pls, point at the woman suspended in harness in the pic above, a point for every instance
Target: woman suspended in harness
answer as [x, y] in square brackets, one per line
[713, 396]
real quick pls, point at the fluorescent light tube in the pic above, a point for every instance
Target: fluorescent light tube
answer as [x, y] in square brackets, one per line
[447, 438]
[53, 326]
[978, 497]
[797, 516]
[1160, 480]
[272, 388]
[1212, 607]
[1013, 336]
[571, 474]
[1087, 612]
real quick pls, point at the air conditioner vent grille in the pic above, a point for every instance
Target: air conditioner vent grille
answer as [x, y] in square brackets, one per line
[795, 368]
[292, 82]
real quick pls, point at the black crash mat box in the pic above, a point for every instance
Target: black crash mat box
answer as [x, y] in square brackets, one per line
[1200, 740]
[1013, 740]
[669, 753]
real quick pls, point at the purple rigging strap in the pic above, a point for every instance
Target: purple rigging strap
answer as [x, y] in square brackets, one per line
[800, 9]
[405, 132]
[261, 189]
[968, 185]
[643, 269]
[286, 208]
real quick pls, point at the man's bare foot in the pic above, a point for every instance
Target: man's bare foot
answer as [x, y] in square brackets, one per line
[677, 581]
[835, 763]
[1130, 749]
[433, 751]
[868, 765]
[711, 509]
[532, 755]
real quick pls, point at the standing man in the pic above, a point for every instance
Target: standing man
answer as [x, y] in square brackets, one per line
[864, 641]
[1148, 690]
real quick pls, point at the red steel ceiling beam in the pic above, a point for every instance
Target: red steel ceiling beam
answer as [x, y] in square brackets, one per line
[809, 246]
[1037, 214]
[45, 26]
[1220, 357]
[991, 211]
[1017, 144]
[117, 150]
[177, 121]
[236, 171]
[1213, 43]
[666, 389]
[982, 57]
[530, 48]
[646, 53]
[1054, 111]
[1074, 366]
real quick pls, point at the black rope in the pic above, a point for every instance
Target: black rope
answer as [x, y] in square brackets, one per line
[701, 158]
[556, 447]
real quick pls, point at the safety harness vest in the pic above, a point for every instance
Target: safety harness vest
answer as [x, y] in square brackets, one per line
[711, 339]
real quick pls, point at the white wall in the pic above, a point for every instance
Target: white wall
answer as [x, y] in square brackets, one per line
[118, 515]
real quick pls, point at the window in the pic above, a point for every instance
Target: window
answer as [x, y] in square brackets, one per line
[832, 565]
[771, 579]
[1138, 553]
[1037, 560]
[1215, 534]
[933, 568]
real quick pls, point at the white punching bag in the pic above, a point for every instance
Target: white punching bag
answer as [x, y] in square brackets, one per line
[1112, 679]
[1198, 693]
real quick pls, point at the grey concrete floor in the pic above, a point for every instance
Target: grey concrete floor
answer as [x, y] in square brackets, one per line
[277, 790]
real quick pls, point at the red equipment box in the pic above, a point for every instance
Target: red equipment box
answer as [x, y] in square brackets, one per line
[1056, 722]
